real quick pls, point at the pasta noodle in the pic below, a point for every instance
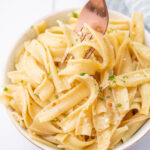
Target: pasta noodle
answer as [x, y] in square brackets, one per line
[82, 104]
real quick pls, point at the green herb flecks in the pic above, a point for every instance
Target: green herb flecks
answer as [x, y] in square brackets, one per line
[125, 77]
[114, 81]
[32, 27]
[112, 77]
[21, 81]
[74, 14]
[65, 116]
[5, 89]
[101, 98]
[35, 94]
[56, 96]
[110, 89]
[118, 105]
[49, 73]
[53, 120]
[99, 90]
[82, 74]
[123, 81]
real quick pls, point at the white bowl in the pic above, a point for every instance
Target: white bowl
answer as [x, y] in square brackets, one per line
[29, 34]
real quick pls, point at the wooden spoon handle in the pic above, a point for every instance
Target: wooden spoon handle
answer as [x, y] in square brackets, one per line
[98, 2]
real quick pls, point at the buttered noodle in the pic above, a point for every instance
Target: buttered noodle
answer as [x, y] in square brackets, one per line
[83, 104]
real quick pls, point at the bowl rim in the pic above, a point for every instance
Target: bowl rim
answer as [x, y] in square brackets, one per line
[16, 124]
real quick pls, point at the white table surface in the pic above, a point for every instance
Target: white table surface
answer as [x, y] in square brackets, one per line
[15, 17]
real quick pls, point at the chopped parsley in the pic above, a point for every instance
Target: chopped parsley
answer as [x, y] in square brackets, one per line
[114, 81]
[108, 97]
[99, 90]
[111, 77]
[125, 76]
[53, 120]
[49, 73]
[35, 94]
[76, 40]
[82, 74]
[101, 98]
[123, 81]
[65, 116]
[56, 96]
[5, 89]
[145, 75]
[21, 81]
[110, 89]
[118, 105]
[32, 27]
[74, 14]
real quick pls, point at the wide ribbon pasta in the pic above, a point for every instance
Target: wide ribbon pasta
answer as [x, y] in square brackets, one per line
[68, 101]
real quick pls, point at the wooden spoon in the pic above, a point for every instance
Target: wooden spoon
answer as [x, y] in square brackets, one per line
[95, 14]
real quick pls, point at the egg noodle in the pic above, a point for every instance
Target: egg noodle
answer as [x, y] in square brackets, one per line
[90, 103]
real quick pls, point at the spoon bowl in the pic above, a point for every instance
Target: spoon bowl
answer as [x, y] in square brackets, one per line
[95, 14]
